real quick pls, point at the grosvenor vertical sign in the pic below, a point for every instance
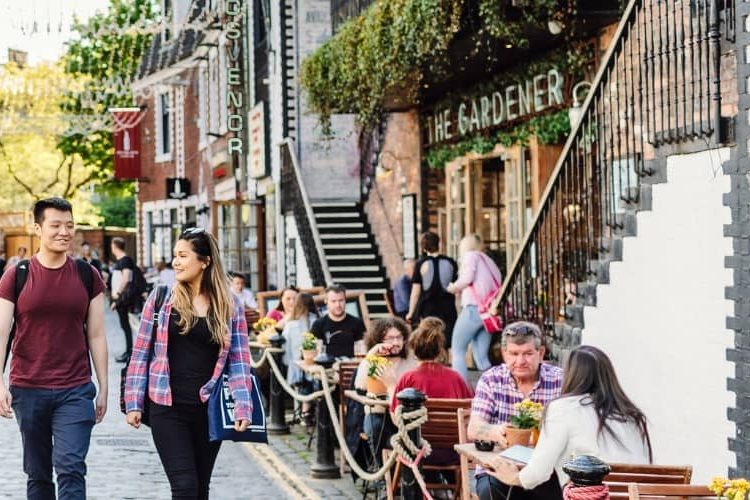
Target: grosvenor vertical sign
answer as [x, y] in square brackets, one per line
[233, 12]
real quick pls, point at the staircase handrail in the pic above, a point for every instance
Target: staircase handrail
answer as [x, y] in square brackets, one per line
[288, 142]
[608, 59]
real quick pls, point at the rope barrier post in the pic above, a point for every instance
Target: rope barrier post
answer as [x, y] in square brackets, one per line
[276, 404]
[324, 467]
[411, 399]
[587, 475]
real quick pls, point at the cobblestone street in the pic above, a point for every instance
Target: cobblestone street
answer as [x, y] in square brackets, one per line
[123, 464]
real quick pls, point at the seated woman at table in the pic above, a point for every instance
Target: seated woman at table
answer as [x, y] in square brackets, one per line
[431, 377]
[387, 337]
[283, 309]
[303, 314]
[593, 416]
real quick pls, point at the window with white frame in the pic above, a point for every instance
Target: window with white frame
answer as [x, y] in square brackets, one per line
[214, 111]
[167, 34]
[222, 88]
[163, 127]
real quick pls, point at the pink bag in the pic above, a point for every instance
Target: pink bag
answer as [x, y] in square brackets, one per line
[491, 322]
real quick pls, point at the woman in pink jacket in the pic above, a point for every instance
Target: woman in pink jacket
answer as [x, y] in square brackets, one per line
[478, 279]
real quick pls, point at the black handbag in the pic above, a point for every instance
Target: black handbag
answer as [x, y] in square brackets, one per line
[161, 294]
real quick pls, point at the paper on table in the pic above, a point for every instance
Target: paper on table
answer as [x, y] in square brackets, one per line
[518, 453]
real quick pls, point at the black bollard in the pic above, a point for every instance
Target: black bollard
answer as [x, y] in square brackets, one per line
[585, 470]
[324, 467]
[276, 407]
[411, 400]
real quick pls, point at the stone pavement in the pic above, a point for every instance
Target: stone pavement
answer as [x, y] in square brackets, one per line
[123, 464]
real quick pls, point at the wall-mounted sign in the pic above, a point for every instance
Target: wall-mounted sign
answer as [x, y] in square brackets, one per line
[233, 12]
[178, 188]
[409, 225]
[507, 104]
[257, 153]
[127, 142]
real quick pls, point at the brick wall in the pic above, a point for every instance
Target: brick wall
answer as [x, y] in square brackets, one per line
[400, 159]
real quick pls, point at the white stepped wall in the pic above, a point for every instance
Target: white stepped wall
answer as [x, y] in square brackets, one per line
[662, 318]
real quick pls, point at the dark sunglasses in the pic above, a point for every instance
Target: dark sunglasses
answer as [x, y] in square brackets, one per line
[523, 330]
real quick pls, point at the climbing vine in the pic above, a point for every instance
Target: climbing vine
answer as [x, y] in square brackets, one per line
[387, 50]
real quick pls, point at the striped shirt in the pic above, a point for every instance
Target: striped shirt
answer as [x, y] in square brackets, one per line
[497, 392]
[236, 354]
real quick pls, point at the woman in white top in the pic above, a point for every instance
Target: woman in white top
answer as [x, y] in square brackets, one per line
[593, 416]
[302, 315]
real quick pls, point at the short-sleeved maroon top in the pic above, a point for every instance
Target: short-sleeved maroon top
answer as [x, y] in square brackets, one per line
[50, 350]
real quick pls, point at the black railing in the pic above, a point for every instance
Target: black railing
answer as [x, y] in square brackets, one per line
[344, 10]
[658, 84]
[294, 198]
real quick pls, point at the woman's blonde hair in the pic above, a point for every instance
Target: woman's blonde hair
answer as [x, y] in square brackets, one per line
[470, 243]
[214, 284]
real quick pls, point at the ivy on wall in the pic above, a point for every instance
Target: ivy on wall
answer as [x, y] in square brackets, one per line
[394, 43]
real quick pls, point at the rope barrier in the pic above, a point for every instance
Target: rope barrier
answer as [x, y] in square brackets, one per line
[403, 446]
[572, 492]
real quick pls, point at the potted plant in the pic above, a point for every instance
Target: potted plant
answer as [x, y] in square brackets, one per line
[265, 328]
[309, 348]
[731, 489]
[523, 425]
[375, 366]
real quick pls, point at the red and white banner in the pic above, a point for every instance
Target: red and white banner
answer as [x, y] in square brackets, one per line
[127, 141]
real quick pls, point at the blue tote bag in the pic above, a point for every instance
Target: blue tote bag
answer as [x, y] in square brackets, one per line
[221, 414]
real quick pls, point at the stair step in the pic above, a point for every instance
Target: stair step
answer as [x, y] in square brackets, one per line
[338, 215]
[379, 315]
[340, 225]
[334, 204]
[345, 236]
[349, 279]
[361, 256]
[347, 246]
[336, 269]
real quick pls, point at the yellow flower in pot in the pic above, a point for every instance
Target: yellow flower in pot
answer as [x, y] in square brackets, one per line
[264, 328]
[375, 366]
[309, 348]
[524, 424]
[731, 489]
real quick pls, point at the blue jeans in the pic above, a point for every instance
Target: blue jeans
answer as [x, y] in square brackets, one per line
[65, 416]
[470, 330]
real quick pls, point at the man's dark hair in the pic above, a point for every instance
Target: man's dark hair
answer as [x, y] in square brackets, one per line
[119, 242]
[235, 274]
[56, 203]
[430, 242]
[335, 288]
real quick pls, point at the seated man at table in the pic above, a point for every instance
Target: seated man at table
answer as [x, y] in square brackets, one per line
[522, 376]
[340, 332]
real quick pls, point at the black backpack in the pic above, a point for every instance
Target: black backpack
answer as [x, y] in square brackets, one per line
[135, 293]
[85, 272]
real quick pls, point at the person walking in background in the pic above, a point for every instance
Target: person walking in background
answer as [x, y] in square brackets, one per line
[122, 274]
[283, 309]
[88, 255]
[479, 278]
[201, 329]
[59, 318]
[240, 290]
[166, 274]
[21, 255]
[304, 314]
[429, 294]
[402, 289]
[593, 416]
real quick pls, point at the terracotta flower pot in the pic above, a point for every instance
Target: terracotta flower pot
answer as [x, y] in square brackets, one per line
[376, 386]
[518, 436]
[308, 356]
[534, 436]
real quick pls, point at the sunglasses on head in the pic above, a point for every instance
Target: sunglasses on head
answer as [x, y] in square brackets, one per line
[192, 231]
[522, 330]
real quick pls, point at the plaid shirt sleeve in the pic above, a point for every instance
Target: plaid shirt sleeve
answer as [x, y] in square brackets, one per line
[483, 405]
[240, 382]
[136, 378]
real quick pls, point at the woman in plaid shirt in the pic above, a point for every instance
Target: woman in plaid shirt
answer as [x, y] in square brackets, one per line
[201, 327]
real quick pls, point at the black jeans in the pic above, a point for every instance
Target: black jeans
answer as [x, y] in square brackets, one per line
[56, 430]
[489, 488]
[122, 313]
[180, 434]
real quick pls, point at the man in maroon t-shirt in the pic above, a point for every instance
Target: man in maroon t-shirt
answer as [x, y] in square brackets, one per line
[57, 325]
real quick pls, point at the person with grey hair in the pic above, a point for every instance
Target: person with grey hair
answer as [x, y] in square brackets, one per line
[523, 375]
